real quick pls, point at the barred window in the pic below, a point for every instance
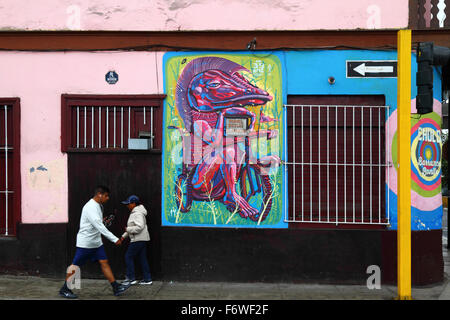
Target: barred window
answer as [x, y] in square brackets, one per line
[9, 166]
[337, 164]
[111, 123]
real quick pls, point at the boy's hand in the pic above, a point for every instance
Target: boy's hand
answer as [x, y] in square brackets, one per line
[119, 242]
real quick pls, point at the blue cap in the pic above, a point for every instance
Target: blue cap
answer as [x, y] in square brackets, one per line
[131, 199]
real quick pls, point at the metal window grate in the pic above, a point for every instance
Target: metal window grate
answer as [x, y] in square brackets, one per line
[430, 14]
[110, 127]
[336, 164]
[6, 185]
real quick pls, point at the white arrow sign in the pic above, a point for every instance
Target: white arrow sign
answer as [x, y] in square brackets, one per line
[362, 69]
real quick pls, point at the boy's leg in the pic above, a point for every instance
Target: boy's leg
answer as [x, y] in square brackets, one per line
[118, 289]
[106, 269]
[81, 256]
[69, 274]
[77, 261]
[65, 291]
[144, 262]
[129, 259]
[100, 256]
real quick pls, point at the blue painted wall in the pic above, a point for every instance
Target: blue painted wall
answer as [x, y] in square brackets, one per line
[307, 72]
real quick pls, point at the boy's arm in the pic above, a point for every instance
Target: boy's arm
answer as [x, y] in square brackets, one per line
[97, 222]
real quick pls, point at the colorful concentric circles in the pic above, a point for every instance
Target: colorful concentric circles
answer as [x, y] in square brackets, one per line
[426, 146]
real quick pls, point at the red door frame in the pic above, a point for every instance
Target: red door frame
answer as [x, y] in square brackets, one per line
[17, 195]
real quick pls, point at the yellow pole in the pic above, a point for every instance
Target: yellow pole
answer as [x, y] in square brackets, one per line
[404, 164]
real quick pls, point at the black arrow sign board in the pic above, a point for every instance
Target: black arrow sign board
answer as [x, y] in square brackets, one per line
[372, 69]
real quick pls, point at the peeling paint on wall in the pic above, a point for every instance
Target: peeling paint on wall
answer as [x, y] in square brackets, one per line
[48, 212]
[204, 15]
[46, 191]
[48, 176]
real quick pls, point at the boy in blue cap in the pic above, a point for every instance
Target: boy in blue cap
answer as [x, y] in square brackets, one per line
[137, 231]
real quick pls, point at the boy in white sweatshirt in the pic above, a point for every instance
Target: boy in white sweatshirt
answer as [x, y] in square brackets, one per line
[137, 231]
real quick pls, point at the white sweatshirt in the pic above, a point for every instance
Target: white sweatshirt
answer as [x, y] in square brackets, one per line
[137, 225]
[92, 227]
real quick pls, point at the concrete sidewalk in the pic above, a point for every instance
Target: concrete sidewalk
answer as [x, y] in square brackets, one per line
[36, 288]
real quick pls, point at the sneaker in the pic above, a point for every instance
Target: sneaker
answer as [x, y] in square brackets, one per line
[145, 282]
[128, 282]
[67, 293]
[120, 289]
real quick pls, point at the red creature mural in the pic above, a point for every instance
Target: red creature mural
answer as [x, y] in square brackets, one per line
[211, 96]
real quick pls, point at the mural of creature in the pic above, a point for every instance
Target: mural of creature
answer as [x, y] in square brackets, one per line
[211, 96]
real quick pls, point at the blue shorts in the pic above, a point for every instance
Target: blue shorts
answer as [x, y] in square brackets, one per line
[82, 255]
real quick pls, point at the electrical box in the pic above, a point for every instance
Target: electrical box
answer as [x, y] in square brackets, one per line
[139, 144]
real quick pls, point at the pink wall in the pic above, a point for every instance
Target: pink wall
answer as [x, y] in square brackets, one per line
[169, 15]
[39, 79]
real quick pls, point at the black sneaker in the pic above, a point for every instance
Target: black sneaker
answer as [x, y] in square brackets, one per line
[118, 290]
[67, 293]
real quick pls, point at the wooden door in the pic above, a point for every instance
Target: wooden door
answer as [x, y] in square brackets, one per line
[124, 174]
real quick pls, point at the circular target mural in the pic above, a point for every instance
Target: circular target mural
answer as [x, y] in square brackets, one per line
[426, 152]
